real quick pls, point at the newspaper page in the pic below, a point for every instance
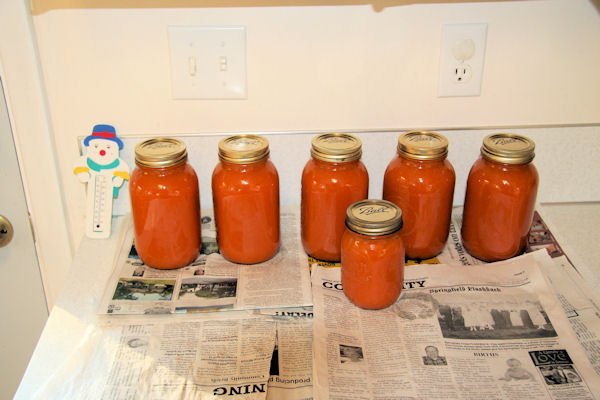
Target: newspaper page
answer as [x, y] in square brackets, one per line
[211, 283]
[493, 331]
[291, 364]
[580, 303]
[176, 357]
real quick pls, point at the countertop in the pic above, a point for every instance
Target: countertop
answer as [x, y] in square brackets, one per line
[575, 226]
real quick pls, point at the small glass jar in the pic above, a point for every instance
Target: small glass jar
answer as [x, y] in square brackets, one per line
[332, 179]
[373, 254]
[420, 180]
[245, 187]
[500, 198]
[165, 204]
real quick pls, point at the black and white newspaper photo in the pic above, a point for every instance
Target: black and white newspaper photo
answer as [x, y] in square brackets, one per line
[210, 283]
[492, 331]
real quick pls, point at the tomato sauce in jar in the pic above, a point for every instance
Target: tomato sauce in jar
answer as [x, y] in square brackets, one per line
[420, 180]
[165, 204]
[373, 254]
[245, 187]
[500, 198]
[332, 179]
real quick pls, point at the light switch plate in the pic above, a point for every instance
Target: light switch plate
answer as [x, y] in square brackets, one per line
[208, 62]
[461, 59]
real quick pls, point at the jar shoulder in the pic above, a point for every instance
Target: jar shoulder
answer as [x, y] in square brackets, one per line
[488, 172]
[264, 173]
[420, 172]
[335, 173]
[179, 175]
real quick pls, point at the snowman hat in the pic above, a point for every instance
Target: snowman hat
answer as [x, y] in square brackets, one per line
[106, 132]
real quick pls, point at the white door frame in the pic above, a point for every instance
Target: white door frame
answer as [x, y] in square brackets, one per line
[34, 142]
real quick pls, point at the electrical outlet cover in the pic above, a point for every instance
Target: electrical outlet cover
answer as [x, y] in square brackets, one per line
[461, 59]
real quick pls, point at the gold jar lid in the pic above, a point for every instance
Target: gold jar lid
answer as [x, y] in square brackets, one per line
[160, 152]
[243, 149]
[422, 145]
[336, 147]
[374, 217]
[508, 148]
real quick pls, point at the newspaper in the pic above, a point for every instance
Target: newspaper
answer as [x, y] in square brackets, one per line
[580, 304]
[210, 283]
[200, 356]
[291, 364]
[492, 331]
[170, 358]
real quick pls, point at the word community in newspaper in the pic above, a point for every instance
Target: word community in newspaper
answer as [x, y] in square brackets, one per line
[494, 331]
[210, 283]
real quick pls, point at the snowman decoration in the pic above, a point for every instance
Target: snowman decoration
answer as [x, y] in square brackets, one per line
[104, 173]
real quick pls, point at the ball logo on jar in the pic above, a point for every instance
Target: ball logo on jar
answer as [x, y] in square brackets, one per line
[246, 142]
[423, 138]
[336, 139]
[370, 210]
[161, 145]
[505, 141]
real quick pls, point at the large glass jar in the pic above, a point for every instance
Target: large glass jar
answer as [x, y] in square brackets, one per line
[420, 180]
[373, 254]
[165, 204]
[245, 187]
[500, 198]
[332, 179]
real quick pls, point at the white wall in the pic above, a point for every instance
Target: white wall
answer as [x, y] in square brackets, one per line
[34, 141]
[318, 69]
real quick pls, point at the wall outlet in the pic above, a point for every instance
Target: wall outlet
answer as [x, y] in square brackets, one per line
[208, 62]
[461, 59]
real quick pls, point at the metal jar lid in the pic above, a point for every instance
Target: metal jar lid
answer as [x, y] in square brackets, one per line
[336, 147]
[374, 217]
[508, 148]
[422, 145]
[160, 152]
[243, 149]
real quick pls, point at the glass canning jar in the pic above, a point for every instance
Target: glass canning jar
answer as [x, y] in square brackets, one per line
[165, 204]
[245, 188]
[500, 198]
[373, 254]
[332, 179]
[420, 180]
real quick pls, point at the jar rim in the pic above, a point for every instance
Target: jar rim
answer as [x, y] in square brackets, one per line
[160, 152]
[336, 147]
[508, 148]
[422, 145]
[374, 217]
[243, 149]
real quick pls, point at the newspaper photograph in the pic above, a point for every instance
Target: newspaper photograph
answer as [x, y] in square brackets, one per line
[492, 331]
[210, 283]
[580, 303]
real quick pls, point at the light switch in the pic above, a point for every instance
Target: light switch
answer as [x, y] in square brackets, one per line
[208, 62]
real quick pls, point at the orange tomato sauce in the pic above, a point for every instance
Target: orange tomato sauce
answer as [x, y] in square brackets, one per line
[327, 190]
[498, 210]
[165, 205]
[372, 268]
[424, 190]
[246, 206]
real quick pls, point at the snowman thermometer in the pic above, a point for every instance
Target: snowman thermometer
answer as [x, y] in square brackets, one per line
[104, 173]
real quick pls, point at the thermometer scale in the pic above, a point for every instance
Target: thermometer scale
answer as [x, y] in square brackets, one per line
[99, 207]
